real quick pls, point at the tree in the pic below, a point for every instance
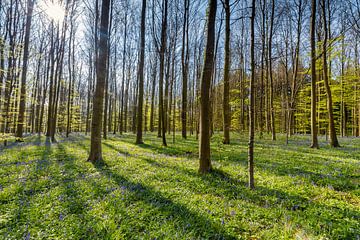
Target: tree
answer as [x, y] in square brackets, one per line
[314, 143]
[185, 66]
[252, 99]
[204, 146]
[226, 94]
[333, 139]
[139, 139]
[272, 111]
[21, 117]
[162, 70]
[96, 125]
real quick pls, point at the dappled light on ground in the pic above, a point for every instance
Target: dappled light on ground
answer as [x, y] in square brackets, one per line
[147, 191]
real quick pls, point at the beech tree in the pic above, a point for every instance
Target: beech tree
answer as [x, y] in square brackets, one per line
[314, 140]
[95, 147]
[204, 145]
[226, 94]
[50, 69]
[333, 139]
[252, 99]
[139, 139]
[21, 117]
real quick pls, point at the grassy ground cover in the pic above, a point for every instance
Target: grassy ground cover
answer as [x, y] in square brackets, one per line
[49, 191]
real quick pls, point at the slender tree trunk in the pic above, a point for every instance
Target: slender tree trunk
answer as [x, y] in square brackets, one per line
[70, 90]
[252, 100]
[184, 63]
[51, 87]
[262, 77]
[272, 110]
[226, 93]
[107, 79]
[314, 139]
[139, 138]
[332, 132]
[121, 124]
[152, 108]
[21, 117]
[204, 146]
[161, 77]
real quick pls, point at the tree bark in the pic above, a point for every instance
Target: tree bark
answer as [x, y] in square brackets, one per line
[95, 148]
[139, 138]
[252, 101]
[332, 132]
[204, 146]
[314, 140]
[226, 93]
[272, 110]
[184, 64]
[161, 77]
[21, 117]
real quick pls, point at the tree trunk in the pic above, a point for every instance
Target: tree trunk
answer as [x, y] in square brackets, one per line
[184, 64]
[21, 117]
[95, 148]
[161, 77]
[252, 101]
[139, 139]
[152, 108]
[272, 110]
[332, 132]
[226, 93]
[121, 113]
[204, 146]
[314, 140]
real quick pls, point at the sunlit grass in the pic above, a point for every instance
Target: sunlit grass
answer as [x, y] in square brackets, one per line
[147, 191]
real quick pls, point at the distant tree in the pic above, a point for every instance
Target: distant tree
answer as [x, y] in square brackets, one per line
[226, 93]
[139, 139]
[185, 68]
[333, 139]
[314, 140]
[162, 70]
[21, 117]
[271, 33]
[123, 83]
[252, 99]
[204, 148]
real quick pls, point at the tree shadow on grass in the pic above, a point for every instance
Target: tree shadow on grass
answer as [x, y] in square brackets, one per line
[43, 178]
[306, 210]
[339, 181]
[221, 184]
[33, 140]
[184, 218]
[181, 149]
[224, 184]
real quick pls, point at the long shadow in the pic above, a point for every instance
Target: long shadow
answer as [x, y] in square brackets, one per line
[33, 139]
[231, 188]
[169, 150]
[62, 176]
[188, 220]
[225, 186]
[75, 203]
[27, 188]
[219, 180]
[340, 182]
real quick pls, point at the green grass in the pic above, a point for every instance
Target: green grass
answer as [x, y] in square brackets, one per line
[49, 191]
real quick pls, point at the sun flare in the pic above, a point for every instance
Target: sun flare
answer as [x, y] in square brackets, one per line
[54, 10]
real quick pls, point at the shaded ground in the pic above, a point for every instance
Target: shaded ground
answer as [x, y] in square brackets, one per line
[49, 191]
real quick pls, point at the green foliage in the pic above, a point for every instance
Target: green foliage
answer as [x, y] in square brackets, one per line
[151, 192]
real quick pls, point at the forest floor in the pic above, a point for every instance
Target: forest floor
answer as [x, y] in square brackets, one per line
[50, 191]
